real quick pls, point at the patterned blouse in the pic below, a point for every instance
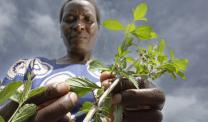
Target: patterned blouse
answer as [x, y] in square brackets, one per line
[47, 71]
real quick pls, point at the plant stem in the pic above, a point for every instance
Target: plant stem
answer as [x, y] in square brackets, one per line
[19, 106]
[92, 111]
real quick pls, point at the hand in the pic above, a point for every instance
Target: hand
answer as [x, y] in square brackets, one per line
[142, 104]
[53, 104]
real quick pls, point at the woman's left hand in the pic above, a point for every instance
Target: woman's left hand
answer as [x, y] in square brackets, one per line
[143, 105]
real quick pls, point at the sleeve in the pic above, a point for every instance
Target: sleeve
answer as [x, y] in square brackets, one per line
[18, 71]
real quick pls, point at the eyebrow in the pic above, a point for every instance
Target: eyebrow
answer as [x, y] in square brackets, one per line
[86, 14]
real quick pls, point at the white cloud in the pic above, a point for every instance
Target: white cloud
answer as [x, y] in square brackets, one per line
[43, 34]
[8, 13]
[186, 106]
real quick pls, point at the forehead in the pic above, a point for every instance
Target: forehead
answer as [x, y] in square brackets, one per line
[79, 6]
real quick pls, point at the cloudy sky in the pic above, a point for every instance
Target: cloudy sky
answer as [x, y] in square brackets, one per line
[29, 28]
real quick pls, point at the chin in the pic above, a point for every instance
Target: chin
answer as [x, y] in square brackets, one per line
[81, 49]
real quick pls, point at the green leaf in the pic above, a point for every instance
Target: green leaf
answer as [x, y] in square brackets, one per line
[123, 63]
[9, 90]
[124, 53]
[161, 46]
[2, 119]
[97, 117]
[130, 59]
[16, 96]
[86, 107]
[144, 19]
[96, 65]
[128, 41]
[143, 32]
[113, 25]
[140, 11]
[131, 78]
[181, 74]
[130, 27]
[24, 113]
[81, 91]
[36, 91]
[180, 64]
[162, 59]
[172, 54]
[106, 108]
[153, 35]
[27, 88]
[82, 85]
[169, 67]
[150, 49]
[173, 75]
[120, 51]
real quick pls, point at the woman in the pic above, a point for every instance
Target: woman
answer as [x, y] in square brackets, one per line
[79, 25]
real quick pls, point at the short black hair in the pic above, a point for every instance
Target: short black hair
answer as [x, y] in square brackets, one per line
[93, 2]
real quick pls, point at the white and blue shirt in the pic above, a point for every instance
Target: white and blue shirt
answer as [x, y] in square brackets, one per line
[46, 71]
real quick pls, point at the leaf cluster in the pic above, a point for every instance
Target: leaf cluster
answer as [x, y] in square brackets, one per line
[149, 63]
[13, 91]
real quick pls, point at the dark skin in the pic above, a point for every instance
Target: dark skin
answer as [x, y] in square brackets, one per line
[79, 28]
[144, 104]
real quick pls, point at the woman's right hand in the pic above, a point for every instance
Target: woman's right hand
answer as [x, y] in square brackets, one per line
[53, 104]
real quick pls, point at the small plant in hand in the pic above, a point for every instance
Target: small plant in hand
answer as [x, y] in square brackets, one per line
[24, 111]
[148, 63]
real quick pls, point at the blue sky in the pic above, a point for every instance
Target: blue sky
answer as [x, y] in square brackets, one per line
[30, 28]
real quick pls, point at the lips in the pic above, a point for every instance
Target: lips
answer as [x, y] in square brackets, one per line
[79, 37]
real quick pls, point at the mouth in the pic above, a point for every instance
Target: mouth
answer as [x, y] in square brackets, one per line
[79, 36]
[79, 39]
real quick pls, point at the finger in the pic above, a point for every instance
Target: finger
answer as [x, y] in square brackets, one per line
[53, 91]
[143, 116]
[57, 109]
[123, 84]
[143, 97]
[106, 75]
[116, 99]
[107, 83]
[67, 118]
[42, 105]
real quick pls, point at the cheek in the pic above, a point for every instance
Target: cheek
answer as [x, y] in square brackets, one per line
[65, 30]
[93, 31]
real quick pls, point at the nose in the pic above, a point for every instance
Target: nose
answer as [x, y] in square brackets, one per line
[79, 27]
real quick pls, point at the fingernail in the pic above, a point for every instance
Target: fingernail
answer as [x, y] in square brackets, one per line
[74, 98]
[62, 86]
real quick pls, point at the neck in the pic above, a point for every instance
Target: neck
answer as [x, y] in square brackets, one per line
[79, 57]
[75, 58]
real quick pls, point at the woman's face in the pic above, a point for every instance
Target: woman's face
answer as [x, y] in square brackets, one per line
[79, 26]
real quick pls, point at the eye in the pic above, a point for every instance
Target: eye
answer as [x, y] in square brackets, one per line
[69, 18]
[89, 19]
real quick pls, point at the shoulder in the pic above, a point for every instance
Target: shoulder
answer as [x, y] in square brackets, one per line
[18, 68]
[22, 66]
